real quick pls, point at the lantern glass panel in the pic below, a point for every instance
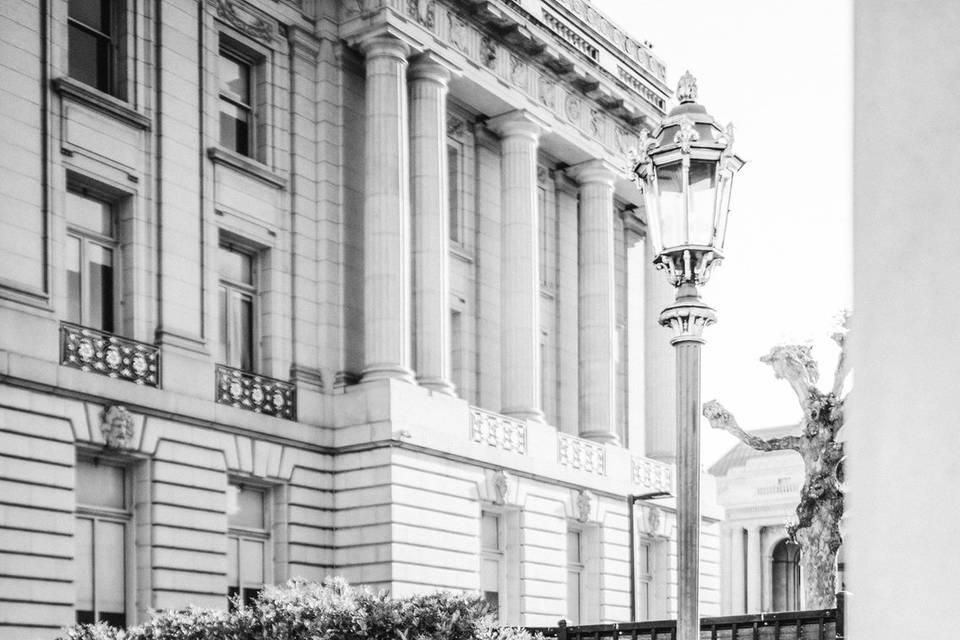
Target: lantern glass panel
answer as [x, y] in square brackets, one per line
[723, 207]
[672, 218]
[703, 190]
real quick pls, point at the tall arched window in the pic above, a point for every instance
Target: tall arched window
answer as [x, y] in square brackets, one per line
[786, 576]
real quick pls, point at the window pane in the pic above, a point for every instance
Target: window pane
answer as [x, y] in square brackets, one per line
[222, 346]
[83, 562]
[702, 192]
[246, 332]
[251, 562]
[100, 274]
[234, 127]
[490, 531]
[245, 507]
[92, 13]
[673, 226]
[88, 57]
[88, 213]
[456, 348]
[234, 79]
[235, 266]
[643, 600]
[490, 575]
[73, 279]
[492, 599]
[453, 165]
[100, 485]
[573, 596]
[643, 558]
[233, 577]
[109, 554]
[573, 547]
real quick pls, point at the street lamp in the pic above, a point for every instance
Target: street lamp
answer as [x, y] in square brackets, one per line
[685, 170]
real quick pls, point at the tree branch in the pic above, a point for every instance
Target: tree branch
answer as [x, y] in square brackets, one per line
[843, 364]
[720, 418]
[795, 364]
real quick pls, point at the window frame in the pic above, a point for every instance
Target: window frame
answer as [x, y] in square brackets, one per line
[455, 192]
[263, 536]
[233, 290]
[111, 243]
[115, 55]
[498, 555]
[578, 567]
[124, 516]
[231, 51]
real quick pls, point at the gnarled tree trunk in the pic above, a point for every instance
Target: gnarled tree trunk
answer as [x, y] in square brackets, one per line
[817, 528]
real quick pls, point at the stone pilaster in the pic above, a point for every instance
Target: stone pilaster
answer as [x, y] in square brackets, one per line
[431, 220]
[520, 279]
[597, 302]
[386, 210]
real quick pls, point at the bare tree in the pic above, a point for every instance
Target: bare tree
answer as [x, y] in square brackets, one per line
[817, 528]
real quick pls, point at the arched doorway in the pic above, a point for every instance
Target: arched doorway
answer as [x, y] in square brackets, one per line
[786, 576]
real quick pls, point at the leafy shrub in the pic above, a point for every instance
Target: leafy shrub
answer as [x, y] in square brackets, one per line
[301, 610]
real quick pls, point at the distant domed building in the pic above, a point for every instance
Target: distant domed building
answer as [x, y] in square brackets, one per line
[759, 490]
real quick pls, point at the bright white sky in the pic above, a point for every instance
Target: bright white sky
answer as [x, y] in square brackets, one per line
[782, 71]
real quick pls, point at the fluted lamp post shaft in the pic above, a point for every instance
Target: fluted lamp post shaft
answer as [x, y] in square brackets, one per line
[685, 169]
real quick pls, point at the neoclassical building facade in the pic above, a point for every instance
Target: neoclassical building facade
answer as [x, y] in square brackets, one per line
[759, 492]
[309, 288]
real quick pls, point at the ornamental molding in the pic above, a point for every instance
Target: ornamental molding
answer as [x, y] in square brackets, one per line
[531, 59]
[580, 454]
[247, 20]
[584, 505]
[116, 426]
[498, 431]
[100, 352]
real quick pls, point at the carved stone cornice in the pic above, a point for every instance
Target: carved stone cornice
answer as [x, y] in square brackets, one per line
[249, 21]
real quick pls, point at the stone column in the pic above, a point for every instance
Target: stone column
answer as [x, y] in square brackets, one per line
[386, 210]
[738, 599]
[431, 221]
[520, 279]
[754, 578]
[597, 302]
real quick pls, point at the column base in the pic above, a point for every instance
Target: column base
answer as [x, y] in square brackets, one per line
[534, 415]
[376, 372]
[602, 437]
[438, 385]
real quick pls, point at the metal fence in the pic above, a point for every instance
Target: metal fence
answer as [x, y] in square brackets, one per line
[818, 624]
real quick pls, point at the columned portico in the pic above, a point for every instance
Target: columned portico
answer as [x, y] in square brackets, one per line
[520, 280]
[431, 220]
[386, 209]
[597, 310]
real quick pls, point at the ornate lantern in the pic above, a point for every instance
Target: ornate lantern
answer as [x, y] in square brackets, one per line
[685, 170]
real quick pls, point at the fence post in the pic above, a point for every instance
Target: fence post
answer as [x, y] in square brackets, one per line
[841, 604]
[562, 630]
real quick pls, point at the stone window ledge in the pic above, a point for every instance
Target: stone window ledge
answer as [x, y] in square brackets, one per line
[102, 102]
[246, 165]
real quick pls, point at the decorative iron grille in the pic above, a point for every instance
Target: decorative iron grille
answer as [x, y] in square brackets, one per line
[104, 353]
[253, 392]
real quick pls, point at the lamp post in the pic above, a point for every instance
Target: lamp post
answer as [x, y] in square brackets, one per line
[685, 169]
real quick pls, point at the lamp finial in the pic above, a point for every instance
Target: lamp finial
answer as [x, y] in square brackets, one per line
[687, 88]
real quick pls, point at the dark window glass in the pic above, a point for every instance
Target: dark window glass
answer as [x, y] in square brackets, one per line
[91, 48]
[235, 104]
[237, 308]
[453, 165]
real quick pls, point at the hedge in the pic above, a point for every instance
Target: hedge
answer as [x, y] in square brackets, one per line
[333, 610]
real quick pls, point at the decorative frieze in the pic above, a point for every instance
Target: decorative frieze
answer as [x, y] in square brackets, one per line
[104, 353]
[581, 454]
[498, 431]
[247, 20]
[256, 393]
[652, 474]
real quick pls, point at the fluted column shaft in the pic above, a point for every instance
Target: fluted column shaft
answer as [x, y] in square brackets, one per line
[386, 210]
[754, 570]
[738, 570]
[431, 221]
[597, 303]
[520, 279]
